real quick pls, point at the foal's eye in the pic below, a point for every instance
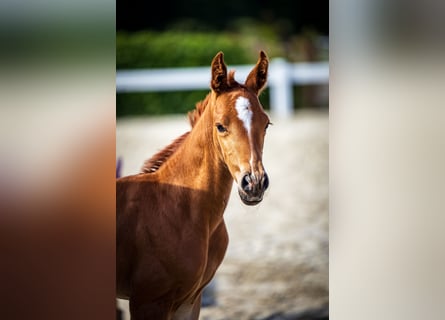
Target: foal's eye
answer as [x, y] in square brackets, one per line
[220, 128]
[267, 125]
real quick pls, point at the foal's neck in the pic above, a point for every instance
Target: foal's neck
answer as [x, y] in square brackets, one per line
[198, 165]
[198, 168]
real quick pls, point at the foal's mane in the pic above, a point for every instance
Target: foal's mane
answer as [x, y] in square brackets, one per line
[156, 161]
[153, 164]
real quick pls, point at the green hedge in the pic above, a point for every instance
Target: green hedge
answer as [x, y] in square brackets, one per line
[173, 49]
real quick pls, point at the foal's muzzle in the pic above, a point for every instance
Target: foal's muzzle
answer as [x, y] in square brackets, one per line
[251, 188]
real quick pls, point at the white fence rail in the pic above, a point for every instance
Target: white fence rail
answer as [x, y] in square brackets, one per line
[282, 77]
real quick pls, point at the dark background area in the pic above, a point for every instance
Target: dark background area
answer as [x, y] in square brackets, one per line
[292, 16]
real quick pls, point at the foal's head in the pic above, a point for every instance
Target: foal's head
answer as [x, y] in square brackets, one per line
[239, 126]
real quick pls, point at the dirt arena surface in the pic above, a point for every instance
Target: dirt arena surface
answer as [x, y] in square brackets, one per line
[276, 265]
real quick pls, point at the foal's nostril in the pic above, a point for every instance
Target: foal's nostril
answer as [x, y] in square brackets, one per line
[266, 181]
[245, 182]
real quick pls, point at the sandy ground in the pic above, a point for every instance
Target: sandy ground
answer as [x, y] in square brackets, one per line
[277, 259]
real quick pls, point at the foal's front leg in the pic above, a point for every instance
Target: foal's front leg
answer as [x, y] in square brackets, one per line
[142, 310]
[189, 310]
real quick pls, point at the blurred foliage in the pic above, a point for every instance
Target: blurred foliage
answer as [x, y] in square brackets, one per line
[171, 49]
[179, 48]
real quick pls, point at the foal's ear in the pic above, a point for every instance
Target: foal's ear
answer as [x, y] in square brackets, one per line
[219, 73]
[257, 78]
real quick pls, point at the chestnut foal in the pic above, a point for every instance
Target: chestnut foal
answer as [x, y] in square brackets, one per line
[171, 235]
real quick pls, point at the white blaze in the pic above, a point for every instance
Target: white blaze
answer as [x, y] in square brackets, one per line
[242, 106]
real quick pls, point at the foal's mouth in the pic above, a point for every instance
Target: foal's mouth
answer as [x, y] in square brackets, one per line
[249, 200]
[251, 188]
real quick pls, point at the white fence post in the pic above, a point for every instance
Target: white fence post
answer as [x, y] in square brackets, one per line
[280, 84]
